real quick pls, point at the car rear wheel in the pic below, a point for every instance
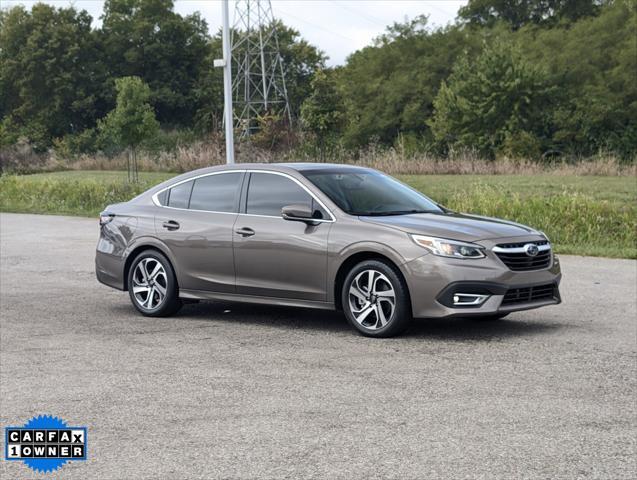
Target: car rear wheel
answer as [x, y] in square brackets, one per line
[375, 299]
[152, 285]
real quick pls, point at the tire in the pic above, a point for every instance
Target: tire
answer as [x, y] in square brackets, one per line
[164, 281]
[362, 309]
[491, 318]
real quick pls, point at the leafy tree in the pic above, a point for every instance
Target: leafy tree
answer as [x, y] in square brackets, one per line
[208, 91]
[273, 132]
[388, 88]
[594, 63]
[301, 60]
[50, 72]
[146, 38]
[518, 13]
[322, 112]
[133, 120]
[57, 77]
[494, 104]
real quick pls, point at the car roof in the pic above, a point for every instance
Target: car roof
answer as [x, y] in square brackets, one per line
[302, 167]
[305, 166]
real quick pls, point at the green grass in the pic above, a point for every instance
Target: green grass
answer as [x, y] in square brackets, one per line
[151, 178]
[82, 193]
[582, 215]
[620, 189]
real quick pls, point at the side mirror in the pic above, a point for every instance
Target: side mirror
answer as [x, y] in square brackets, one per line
[298, 213]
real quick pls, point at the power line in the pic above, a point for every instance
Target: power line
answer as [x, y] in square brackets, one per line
[358, 12]
[316, 26]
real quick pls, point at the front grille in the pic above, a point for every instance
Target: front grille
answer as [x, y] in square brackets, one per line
[521, 244]
[514, 256]
[530, 294]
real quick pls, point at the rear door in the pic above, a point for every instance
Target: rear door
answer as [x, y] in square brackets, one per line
[276, 257]
[196, 224]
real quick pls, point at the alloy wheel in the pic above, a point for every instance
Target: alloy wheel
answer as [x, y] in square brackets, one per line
[150, 283]
[372, 299]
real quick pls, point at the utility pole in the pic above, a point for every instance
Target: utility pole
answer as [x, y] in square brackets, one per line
[226, 63]
[258, 87]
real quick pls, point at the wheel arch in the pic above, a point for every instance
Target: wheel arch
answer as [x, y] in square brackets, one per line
[143, 246]
[353, 260]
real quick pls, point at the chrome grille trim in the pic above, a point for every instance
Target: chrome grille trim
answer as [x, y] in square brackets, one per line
[515, 257]
[505, 249]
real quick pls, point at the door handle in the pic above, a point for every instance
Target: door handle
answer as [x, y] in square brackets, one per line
[171, 225]
[245, 232]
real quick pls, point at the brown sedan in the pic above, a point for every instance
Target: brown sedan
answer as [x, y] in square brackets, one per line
[321, 236]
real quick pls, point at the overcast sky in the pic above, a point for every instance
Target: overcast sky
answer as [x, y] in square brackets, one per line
[338, 27]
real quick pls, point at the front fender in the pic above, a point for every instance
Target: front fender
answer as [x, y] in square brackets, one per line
[372, 247]
[366, 247]
[350, 237]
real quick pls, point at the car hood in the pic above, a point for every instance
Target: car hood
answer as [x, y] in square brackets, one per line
[457, 226]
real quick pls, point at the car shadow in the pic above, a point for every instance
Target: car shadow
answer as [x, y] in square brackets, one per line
[454, 329]
[270, 315]
[472, 329]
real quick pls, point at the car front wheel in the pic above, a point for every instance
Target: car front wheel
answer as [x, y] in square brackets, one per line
[375, 299]
[152, 285]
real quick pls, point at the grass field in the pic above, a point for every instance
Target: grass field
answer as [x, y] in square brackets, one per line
[587, 215]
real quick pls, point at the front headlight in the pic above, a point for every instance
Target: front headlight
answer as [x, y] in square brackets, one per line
[449, 248]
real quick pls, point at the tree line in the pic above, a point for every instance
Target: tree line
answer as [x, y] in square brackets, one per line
[528, 78]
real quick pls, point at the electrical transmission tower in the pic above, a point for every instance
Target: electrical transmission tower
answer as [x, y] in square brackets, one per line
[258, 86]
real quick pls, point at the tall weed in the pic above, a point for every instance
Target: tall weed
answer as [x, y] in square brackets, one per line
[398, 160]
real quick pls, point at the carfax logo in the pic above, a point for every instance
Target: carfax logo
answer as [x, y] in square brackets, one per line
[45, 443]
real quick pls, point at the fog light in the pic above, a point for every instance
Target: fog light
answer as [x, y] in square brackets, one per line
[468, 299]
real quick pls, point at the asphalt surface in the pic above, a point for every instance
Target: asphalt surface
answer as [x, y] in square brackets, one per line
[239, 391]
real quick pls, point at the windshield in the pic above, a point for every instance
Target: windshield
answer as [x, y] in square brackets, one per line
[370, 193]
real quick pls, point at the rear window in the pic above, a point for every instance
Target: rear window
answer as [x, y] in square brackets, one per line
[179, 196]
[163, 198]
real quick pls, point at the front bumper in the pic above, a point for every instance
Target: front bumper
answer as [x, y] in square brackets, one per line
[433, 280]
[500, 298]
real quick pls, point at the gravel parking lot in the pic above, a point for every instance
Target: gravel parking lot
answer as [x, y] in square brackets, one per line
[240, 391]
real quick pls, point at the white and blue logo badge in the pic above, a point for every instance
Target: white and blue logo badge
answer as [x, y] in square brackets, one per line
[45, 443]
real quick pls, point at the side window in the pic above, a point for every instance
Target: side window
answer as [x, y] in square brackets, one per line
[216, 193]
[179, 196]
[163, 198]
[268, 194]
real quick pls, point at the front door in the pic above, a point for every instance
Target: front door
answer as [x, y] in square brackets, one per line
[276, 257]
